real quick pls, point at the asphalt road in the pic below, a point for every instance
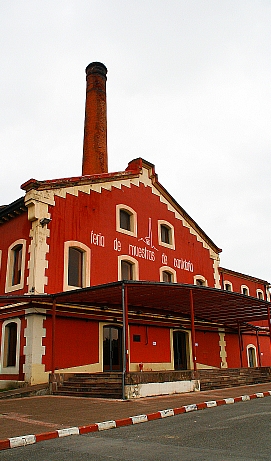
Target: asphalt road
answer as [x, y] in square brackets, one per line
[240, 432]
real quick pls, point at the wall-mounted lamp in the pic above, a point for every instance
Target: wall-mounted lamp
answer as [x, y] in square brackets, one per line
[44, 221]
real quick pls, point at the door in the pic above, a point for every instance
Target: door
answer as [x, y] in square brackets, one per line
[180, 350]
[112, 347]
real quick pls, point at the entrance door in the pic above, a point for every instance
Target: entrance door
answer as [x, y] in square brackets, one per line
[112, 347]
[180, 352]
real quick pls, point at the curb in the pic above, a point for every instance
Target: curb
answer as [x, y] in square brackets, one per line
[24, 440]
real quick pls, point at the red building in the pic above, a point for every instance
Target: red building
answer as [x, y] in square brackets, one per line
[67, 246]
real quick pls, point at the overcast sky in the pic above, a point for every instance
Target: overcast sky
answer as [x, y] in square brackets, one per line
[188, 89]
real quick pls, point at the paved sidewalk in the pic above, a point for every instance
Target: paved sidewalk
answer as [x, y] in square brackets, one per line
[45, 414]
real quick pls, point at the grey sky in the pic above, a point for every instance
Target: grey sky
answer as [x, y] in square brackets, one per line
[188, 90]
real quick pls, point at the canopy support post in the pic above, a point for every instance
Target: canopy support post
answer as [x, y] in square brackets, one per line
[53, 335]
[240, 345]
[258, 348]
[125, 351]
[193, 335]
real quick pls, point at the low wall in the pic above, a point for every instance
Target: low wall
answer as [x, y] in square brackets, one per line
[147, 384]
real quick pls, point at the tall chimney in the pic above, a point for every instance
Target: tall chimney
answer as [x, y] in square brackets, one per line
[95, 133]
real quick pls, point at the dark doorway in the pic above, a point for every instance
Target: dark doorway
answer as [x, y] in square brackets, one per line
[112, 347]
[180, 350]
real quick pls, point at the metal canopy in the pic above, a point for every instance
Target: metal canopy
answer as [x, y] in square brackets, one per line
[210, 304]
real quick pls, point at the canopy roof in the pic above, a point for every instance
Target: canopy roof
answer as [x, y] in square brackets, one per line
[210, 304]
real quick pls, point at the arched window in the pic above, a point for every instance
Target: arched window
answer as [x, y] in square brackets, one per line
[10, 347]
[227, 286]
[167, 274]
[251, 355]
[244, 290]
[200, 281]
[260, 294]
[127, 268]
[126, 220]
[76, 265]
[166, 234]
[15, 266]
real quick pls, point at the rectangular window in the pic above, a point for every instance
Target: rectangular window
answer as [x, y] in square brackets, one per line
[136, 338]
[125, 220]
[165, 234]
[167, 277]
[126, 270]
[75, 267]
[17, 253]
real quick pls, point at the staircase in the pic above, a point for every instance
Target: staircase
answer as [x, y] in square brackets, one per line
[98, 385]
[231, 377]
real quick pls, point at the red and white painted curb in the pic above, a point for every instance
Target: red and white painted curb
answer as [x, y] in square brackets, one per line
[24, 440]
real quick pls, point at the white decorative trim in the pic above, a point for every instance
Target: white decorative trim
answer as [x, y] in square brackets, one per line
[3, 368]
[222, 345]
[9, 287]
[201, 278]
[259, 291]
[86, 264]
[246, 288]
[33, 367]
[251, 346]
[226, 282]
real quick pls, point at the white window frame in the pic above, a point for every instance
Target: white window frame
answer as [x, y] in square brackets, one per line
[133, 222]
[170, 270]
[226, 282]
[86, 264]
[9, 287]
[245, 287]
[260, 291]
[256, 355]
[170, 245]
[130, 260]
[10, 370]
[203, 279]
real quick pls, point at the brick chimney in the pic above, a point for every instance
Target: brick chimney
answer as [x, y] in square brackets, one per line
[95, 133]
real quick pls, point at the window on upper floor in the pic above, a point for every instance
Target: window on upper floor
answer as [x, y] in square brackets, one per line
[76, 265]
[126, 220]
[167, 274]
[127, 268]
[200, 281]
[166, 234]
[244, 290]
[228, 286]
[260, 294]
[15, 266]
